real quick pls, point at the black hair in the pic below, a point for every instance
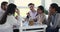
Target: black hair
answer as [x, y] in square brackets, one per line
[10, 10]
[58, 10]
[42, 8]
[30, 4]
[4, 3]
[54, 5]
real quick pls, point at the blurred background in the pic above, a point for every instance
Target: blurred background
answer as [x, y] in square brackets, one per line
[22, 5]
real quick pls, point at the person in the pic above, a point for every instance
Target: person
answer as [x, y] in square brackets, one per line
[58, 10]
[3, 8]
[8, 21]
[41, 17]
[52, 18]
[19, 19]
[32, 13]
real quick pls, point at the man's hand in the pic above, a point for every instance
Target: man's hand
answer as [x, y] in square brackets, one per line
[28, 14]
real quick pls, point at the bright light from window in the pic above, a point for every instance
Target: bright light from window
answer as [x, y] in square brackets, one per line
[47, 4]
[24, 3]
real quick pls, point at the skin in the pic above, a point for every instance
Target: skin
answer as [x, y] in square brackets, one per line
[18, 12]
[52, 10]
[4, 7]
[31, 7]
[39, 11]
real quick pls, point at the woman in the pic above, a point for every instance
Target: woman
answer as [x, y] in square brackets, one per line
[57, 21]
[41, 16]
[53, 21]
[8, 21]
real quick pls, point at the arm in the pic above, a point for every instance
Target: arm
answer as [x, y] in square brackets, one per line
[15, 23]
[43, 18]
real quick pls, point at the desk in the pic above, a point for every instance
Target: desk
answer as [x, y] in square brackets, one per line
[34, 28]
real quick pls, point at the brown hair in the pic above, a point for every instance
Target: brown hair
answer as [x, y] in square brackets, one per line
[30, 4]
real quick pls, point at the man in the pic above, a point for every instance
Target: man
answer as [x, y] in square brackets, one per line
[52, 17]
[32, 13]
[3, 8]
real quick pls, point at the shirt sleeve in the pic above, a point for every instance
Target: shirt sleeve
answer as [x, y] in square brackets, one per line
[12, 20]
[20, 20]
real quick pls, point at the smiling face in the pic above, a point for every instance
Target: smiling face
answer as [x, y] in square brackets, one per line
[4, 7]
[52, 10]
[39, 11]
[31, 7]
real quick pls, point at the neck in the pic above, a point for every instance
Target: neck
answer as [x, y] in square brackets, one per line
[53, 13]
[33, 10]
[41, 13]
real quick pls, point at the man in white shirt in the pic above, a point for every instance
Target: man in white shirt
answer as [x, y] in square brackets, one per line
[32, 13]
[3, 8]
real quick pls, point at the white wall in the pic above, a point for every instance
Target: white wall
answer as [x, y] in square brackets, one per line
[48, 2]
[56, 1]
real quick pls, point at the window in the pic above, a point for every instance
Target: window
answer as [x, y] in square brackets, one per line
[47, 4]
[23, 5]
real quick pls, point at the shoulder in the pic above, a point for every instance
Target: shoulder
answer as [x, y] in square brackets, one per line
[10, 17]
[44, 15]
[58, 14]
[29, 12]
[0, 10]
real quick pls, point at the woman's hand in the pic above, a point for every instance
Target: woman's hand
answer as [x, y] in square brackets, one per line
[18, 12]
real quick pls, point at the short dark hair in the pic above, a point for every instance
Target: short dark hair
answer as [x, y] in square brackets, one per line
[30, 4]
[58, 10]
[54, 5]
[4, 3]
[42, 8]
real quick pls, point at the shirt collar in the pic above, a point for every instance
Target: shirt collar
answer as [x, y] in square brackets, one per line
[33, 12]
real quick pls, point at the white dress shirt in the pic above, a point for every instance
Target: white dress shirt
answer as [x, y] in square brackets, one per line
[8, 26]
[32, 14]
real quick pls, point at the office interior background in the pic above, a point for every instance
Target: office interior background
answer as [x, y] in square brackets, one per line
[22, 5]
